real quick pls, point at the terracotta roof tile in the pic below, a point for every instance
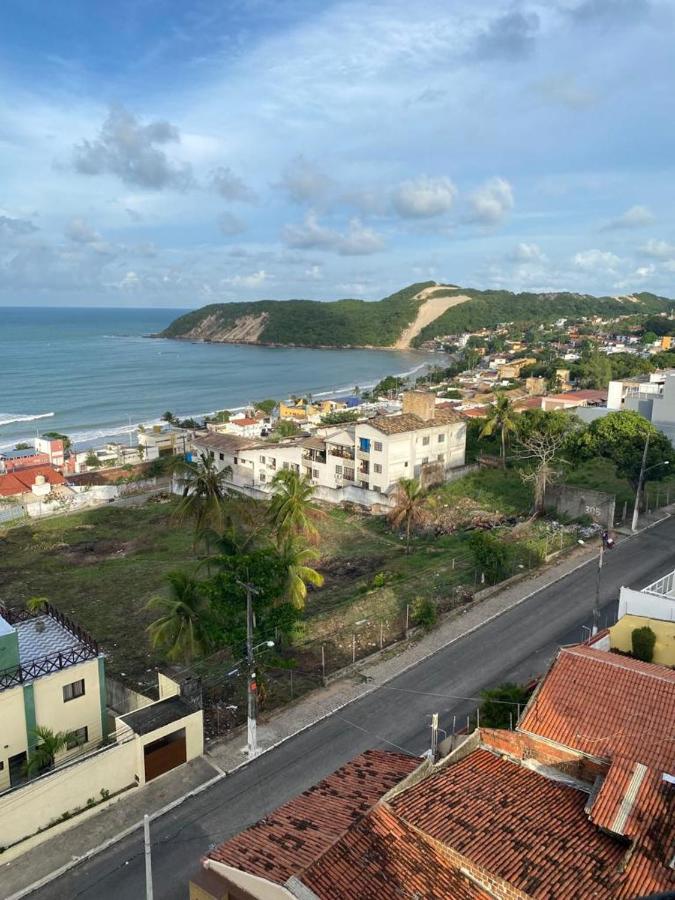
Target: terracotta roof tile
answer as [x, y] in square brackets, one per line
[20, 481]
[382, 857]
[297, 833]
[405, 422]
[517, 824]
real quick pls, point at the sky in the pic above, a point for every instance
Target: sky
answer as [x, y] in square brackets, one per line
[173, 154]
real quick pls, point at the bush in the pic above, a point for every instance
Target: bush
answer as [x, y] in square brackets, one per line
[424, 613]
[499, 708]
[643, 641]
[491, 555]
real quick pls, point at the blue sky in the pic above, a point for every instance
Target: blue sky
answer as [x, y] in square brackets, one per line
[166, 153]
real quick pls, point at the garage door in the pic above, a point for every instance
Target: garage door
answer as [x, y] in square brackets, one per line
[165, 754]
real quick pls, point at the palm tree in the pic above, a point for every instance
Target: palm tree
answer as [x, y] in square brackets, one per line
[502, 418]
[409, 498]
[203, 492]
[35, 605]
[291, 511]
[179, 631]
[299, 574]
[50, 743]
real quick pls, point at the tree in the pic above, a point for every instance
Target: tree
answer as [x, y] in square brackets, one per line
[541, 436]
[92, 461]
[22, 445]
[408, 509]
[491, 555]
[291, 509]
[50, 743]
[643, 641]
[296, 559]
[649, 337]
[500, 705]
[181, 629]
[169, 417]
[57, 436]
[620, 437]
[502, 418]
[595, 370]
[204, 491]
[286, 428]
[266, 406]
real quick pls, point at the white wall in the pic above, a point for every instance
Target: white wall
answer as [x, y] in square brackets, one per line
[637, 603]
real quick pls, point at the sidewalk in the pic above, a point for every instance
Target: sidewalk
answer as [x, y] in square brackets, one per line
[99, 830]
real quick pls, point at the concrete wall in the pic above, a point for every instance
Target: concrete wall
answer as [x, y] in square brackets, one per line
[122, 699]
[664, 649]
[194, 740]
[13, 731]
[576, 502]
[637, 603]
[250, 885]
[24, 810]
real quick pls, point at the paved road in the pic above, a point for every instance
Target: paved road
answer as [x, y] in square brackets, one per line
[515, 646]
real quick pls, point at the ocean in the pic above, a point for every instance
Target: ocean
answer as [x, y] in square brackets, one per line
[93, 375]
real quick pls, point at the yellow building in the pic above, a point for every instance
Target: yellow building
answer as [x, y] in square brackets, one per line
[512, 369]
[51, 675]
[666, 342]
[621, 637]
[300, 410]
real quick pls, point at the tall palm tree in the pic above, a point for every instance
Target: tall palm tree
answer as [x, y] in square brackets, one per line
[501, 418]
[179, 631]
[204, 490]
[296, 559]
[50, 743]
[291, 511]
[409, 498]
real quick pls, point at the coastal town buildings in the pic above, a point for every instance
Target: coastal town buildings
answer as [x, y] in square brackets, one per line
[52, 675]
[653, 396]
[575, 802]
[361, 462]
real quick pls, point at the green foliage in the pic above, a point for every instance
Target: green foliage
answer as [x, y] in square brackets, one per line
[424, 612]
[658, 326]
[643, 641]
[22, 445]
[649, 337]
[387, 385]
[181, 630]
[340, 417]
[620, 437]
[286, 428]
[57, 436]
[92, 461]
[491, 555]
[595, 370]
[49, 743]
[220, 417]
[266, 406]
[312, 323]
[500, 705]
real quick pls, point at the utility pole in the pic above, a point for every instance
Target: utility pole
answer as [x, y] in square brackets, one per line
[434, 737]
[636, 508]
[252, 687]
[596, 604]
[148, 858]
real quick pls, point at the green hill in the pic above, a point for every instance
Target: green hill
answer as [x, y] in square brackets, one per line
[359, 323]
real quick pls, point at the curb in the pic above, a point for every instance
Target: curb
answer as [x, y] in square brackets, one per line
[368, 689]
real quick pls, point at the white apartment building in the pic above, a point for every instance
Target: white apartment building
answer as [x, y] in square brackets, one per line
[653, 396]
[361, 462]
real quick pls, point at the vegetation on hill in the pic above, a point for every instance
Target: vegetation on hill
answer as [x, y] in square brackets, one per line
[358, 323]
[341, 323]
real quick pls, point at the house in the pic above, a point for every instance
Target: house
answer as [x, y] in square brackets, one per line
[245, 426]
[53, 448]
[159, 441]
[51, 675]
[360, 462]
[512, 369]
[652, 606]
[11, 460]
[574, 399]
[31, 483]
[576, 802]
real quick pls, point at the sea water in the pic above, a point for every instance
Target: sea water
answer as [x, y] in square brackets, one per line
[94, 375]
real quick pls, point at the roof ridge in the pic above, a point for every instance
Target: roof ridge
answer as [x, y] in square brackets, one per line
[574, 651]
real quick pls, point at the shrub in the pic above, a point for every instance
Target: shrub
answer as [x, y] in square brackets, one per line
[499, 708]
[379, 580]
[643, 640]
[424, 612]
[491, 555]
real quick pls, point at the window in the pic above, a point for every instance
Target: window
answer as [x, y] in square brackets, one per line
[262, 460]
[441, 457]
[441, 438]
[73, 690]
[405, 465]
[77, 737]
[364, 445]
[425, 441]
[378, 446]
[263, 476]
[221, 455]
[376, 488]
[338, 470]
[377, 469]
[315, 473]
[425, 460]
[212, 454]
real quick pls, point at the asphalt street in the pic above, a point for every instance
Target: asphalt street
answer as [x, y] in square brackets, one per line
[515, 646]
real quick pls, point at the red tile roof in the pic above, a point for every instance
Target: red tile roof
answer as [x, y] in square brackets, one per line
[517, 824]
[383, 857]
[243, 422]
[621, 710]
[297, 833]
[21, 481]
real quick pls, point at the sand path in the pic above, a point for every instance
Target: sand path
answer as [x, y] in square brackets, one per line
[430, 309]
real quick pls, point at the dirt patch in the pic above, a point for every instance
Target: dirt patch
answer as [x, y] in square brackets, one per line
[89, 552]
[339, 568]
[245, 330]
[430, 309]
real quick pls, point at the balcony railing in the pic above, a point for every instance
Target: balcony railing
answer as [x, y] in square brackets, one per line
[342, 452]
[46, 665]
[318, 456]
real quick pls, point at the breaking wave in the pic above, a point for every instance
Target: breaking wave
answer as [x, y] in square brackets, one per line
[11, 418]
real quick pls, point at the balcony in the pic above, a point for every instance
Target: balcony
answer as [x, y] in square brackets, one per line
[316, 456]
[348, 475]
[342, 452]
[363, 454]
[364, 468]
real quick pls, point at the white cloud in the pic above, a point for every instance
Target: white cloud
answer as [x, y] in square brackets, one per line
[424, 197]
[491, 202]
[635, 217]
[528, 253]
[81, 232]
[230, 224]
[248, 281]
[658, 249]
[305, 182]
[358, 240]
[231, 186]
[596, 260]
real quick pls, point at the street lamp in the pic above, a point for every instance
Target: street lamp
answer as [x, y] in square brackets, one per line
[643, 471]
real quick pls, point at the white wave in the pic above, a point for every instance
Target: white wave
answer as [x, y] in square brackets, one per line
[11, 418]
